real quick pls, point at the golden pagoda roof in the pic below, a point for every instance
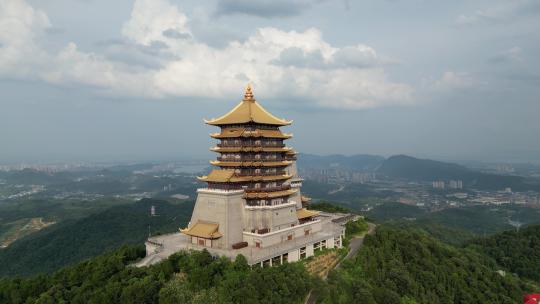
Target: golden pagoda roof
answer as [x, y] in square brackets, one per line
[242, 132]
[304, 213]
[272, 194]
[203, 230]
[227, 176]
[292, 152]
[222, 176]
[248, 110]
[261, 163]
[250, 149]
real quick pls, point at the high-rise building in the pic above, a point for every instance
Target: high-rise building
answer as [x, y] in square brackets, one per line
[438, 184]
[455, 184]
[252, 204]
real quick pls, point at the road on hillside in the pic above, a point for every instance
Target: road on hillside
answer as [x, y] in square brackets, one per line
[356, 243]
[354, 246]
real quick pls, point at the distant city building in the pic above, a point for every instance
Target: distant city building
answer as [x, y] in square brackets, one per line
[455, 184]
[438, 184]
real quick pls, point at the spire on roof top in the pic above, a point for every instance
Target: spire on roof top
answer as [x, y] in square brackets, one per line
[248, 94]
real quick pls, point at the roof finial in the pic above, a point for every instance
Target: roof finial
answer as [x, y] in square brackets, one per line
[248, 94]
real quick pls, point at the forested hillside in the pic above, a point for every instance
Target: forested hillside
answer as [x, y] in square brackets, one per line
[476, 219]
[405, 266]
[395, 266]
[74, 240]
[449, 235]
[183, 278]
[516, 251]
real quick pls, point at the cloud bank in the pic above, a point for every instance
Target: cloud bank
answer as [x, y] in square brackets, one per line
[263, 8]
[505, 11]
[281, 64]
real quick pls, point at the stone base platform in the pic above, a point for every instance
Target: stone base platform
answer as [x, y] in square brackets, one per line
[161, 247]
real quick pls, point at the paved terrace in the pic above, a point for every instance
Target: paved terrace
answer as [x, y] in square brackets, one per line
[174, 242]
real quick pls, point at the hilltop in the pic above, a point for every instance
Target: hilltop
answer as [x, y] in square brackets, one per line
[394, 266]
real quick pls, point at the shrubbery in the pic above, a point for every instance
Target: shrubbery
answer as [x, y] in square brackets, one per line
[194, 277]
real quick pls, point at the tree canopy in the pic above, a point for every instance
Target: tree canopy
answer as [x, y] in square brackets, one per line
[405, 266]
[186, 277]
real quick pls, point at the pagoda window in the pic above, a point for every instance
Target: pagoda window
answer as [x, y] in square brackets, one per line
[257, 156]
[257, 171]
[237, 156]
[257, 185]
[237, 171]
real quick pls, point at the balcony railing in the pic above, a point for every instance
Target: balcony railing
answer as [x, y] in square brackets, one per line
[256, 203]
[268, 189]
[250, 145]
[261, 173]
[246, 159]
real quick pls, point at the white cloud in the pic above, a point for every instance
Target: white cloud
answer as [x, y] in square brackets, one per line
[360, 56]
[504, 11]
[451, 81]
[513, 54]
[351, 77]
[20, 24]
[151, 20]
[263, 8]
[70, 66]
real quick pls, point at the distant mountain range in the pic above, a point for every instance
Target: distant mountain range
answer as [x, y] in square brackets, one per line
[416, 169]
[363, 162]
[410, 168]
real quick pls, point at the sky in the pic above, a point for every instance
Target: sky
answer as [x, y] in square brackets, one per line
[96, 80]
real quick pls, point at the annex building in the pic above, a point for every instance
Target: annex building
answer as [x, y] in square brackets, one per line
[252, 203]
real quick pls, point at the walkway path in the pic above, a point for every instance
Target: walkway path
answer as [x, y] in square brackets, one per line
[354, 246]
[356, 243]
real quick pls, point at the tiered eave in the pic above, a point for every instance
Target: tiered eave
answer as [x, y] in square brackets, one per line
[253, 156]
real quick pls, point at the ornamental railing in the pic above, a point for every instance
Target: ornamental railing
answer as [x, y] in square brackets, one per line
[250, 145]
[252, 173]
[267, 203]
[246, 159]
[268, 189]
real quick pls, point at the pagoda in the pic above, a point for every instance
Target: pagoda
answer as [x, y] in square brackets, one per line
[252, 199]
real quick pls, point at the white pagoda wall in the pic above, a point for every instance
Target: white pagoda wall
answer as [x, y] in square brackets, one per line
[279, 237]
[225, 208]
[272, 217]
